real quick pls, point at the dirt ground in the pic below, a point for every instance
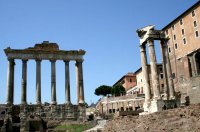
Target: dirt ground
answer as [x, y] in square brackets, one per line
[185, 119]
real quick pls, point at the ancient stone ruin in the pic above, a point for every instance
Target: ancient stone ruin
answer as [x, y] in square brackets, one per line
[156, 103]
[34, 117]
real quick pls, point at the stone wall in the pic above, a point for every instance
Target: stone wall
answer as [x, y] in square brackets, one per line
[25, 116]
[190, 90]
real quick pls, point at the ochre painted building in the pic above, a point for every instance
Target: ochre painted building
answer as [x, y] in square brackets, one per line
[127, 81]
[184, 52]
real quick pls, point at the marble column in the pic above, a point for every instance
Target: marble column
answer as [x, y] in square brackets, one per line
[67, 83]
[165, 80]
[53, 82]
[169, 71]
[10, 82]
[24, 81]
[154, 73]
[145, 72]
[38, 81]
[79, 82]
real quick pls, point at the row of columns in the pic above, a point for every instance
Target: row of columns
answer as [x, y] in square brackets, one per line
[154, 73]
[79, 82]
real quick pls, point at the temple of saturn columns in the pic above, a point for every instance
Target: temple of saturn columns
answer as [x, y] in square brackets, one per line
[40, 52]
[155, 102]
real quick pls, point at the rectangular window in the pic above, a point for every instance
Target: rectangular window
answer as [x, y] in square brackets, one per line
[166, 32]
[173, 75]
[162, 85]
[176, 46]
[160, 69]
[183, 31]
[197, 33]
[181, 22]
[193, 13]
[195, 23]
[161, 76]
[169, 50]
[173, 27]
[174, 37]
[184, 41]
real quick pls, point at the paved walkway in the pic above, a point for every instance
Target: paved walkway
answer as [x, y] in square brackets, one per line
[100, 125]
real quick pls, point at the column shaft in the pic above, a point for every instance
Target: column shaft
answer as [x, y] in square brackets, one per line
[24, 81]
[53, 82]
[154, 73]
[79, 82]
[10, 82]
[67, 83]
[169, 71]
[38, 82]
[166, 86]
[145, 73]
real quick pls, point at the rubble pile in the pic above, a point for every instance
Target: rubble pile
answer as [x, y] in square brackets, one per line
[176, 120]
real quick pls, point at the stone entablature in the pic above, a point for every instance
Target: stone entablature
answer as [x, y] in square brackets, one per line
[45, 51]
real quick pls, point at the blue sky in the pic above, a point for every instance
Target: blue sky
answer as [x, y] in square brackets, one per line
[106, 29]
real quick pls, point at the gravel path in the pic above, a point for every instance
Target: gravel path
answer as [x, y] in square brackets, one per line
[100, 125]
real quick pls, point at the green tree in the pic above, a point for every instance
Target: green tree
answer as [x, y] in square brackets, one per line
[103, 90]
[118, 90]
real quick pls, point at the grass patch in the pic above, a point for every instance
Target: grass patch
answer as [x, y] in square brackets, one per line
[73, 127]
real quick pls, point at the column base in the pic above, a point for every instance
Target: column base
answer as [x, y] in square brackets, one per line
[165, 96]
[152, 106]
[172, 98]
[23, 103]
[146, 106]
[9, 103]
[53, 103]
[68, 103]
[38, 103]
[81, 102]
[157, 98]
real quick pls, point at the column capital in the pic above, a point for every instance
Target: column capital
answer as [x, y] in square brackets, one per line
[10, 59]
[163, 42]
[150, 42]
[38, 60]
[24, 60]
[142, 48]
[52, 60]
[66, 61]
[80, 60]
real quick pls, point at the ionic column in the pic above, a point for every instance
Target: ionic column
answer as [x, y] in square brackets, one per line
[79, 82]
[38, 81]
[53, 82]
[10, 82]
[169, 71]
[145, 72]
[154, 73]
[67, 83]
[24, 81]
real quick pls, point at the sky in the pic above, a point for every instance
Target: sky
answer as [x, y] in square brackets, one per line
[105, 29]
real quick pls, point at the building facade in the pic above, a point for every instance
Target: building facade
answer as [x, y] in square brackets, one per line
[127, 81]
[184, 52]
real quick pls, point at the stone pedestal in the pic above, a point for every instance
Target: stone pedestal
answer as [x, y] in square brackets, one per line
[153, 106]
